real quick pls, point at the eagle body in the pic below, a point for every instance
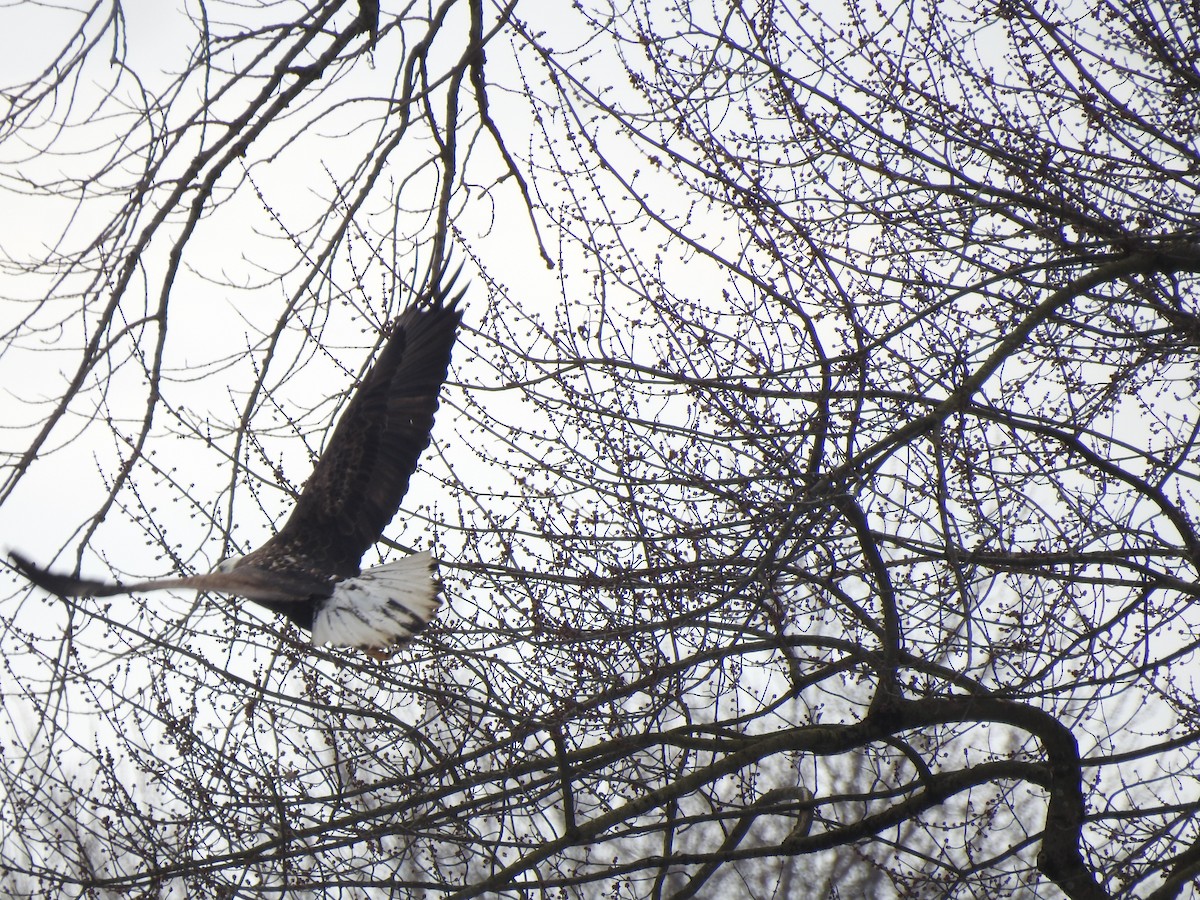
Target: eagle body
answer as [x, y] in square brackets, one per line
[310, 570]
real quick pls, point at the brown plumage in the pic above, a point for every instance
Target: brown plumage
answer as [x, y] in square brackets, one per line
[309, 571]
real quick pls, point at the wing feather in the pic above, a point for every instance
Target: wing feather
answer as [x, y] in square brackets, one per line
[364, 471]
[250, 581]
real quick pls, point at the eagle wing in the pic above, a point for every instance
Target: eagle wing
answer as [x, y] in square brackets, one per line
[363, 473]
[252, 582]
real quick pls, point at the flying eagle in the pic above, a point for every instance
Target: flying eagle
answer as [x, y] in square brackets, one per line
[309, 571]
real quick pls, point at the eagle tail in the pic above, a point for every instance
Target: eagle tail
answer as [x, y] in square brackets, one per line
[382, 607]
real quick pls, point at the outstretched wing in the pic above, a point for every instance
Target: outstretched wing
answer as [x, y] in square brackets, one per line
[252, 582]
[64, 585]
[362, 475]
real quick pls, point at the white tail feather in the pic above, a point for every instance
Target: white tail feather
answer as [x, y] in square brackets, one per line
[383, 606]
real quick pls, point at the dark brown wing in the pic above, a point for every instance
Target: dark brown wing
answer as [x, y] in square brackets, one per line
[64, 585]
[248, 581]
[362, 475]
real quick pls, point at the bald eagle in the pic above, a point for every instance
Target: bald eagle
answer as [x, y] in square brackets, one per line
[309, 571]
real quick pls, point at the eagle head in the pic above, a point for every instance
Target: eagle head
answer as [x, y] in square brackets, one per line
[228, 565]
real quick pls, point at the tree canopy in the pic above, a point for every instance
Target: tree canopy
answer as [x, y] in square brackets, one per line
[813, 492]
